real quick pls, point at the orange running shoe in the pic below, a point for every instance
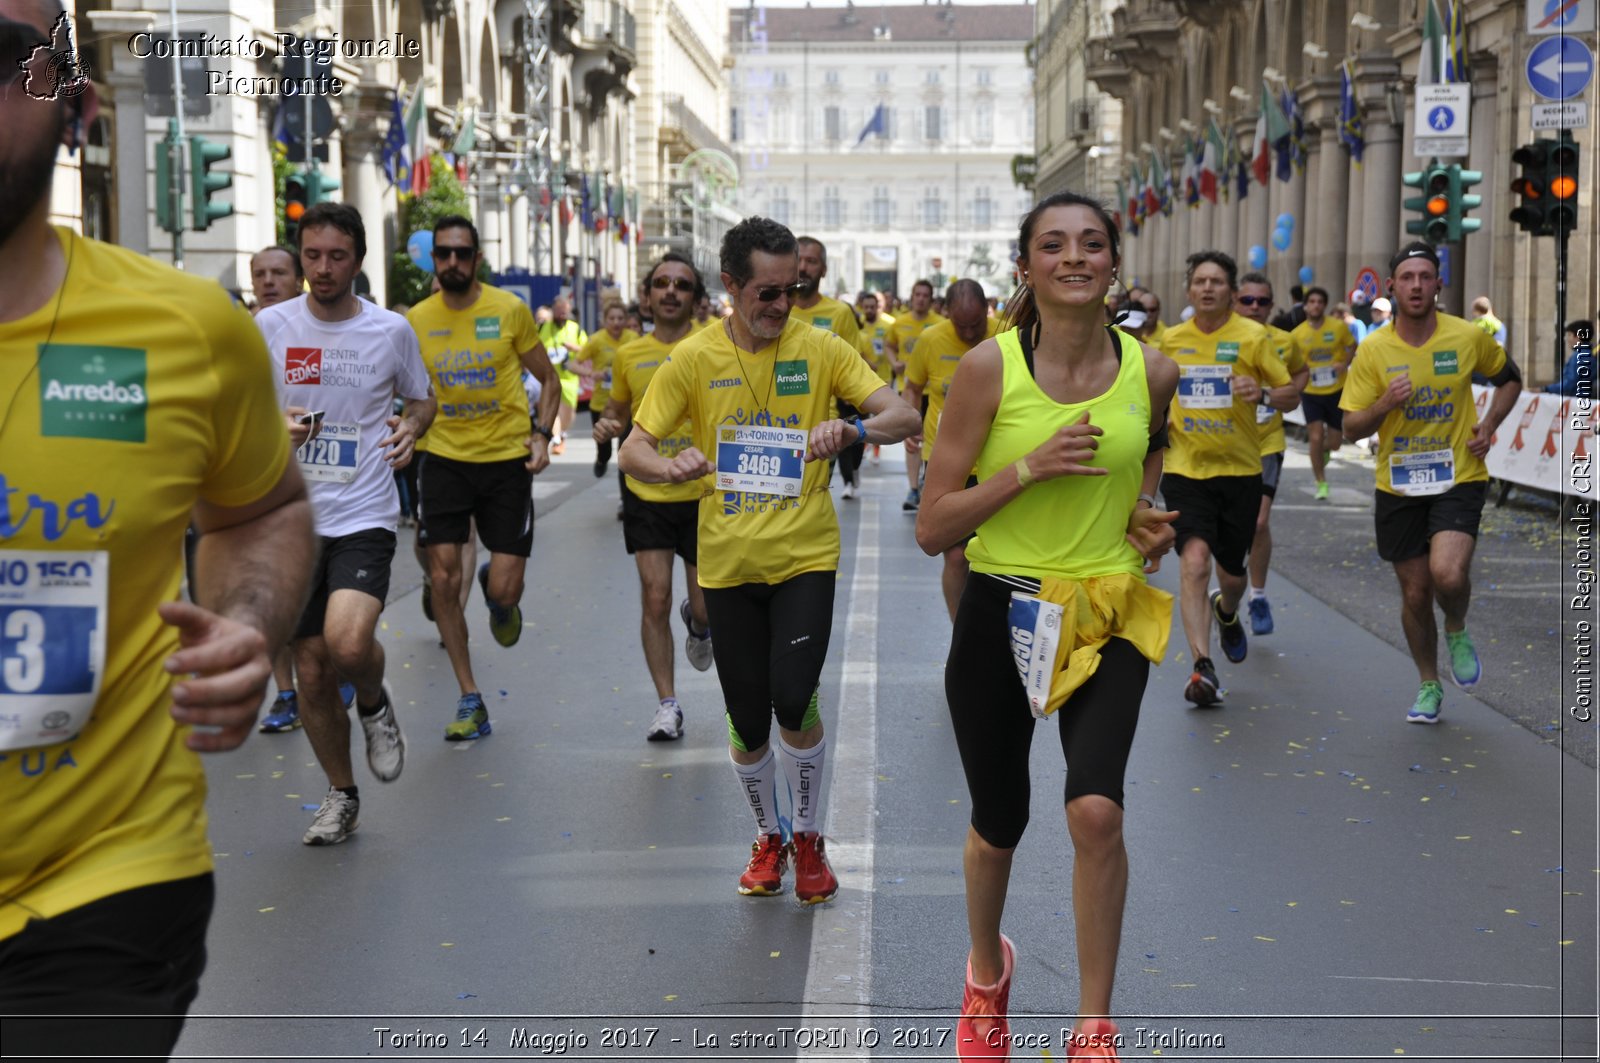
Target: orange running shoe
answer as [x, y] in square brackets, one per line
[1094, 1039]
[983, 1031]
[814, 881]
[763, 876]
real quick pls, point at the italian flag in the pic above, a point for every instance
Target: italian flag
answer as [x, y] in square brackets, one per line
[1211, 161]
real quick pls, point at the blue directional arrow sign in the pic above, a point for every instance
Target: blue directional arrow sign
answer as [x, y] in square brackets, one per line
[1559, 68]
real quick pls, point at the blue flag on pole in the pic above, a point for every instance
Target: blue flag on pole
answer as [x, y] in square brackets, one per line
[393, 156]
[877, 125]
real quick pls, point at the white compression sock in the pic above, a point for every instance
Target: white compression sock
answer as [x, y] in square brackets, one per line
[759, 784]
[802, 769]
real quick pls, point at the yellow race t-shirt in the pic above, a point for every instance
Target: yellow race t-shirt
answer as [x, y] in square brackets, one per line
[875, 346]
[1422, 446]
[1323, 347]
[133, 392]
[636, 365]
[474, 359]
[752, 412]
[1269, 421]
[600, 352]
[832, 315]
[932, 366]
[1213, 433]
[907, 330]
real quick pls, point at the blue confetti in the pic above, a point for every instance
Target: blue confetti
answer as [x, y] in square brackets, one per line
[465, 996]
[1233, 909]
[1548, 870]
[566, 834]
[1149, 955]
[1418, 767]
[1348, 774]
[897, 881]
[310, 808]
[503, 693]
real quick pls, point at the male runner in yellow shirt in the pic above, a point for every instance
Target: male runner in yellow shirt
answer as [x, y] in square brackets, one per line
[1212, 475]
[1328, 346]
[1412, 384]
[908, 328]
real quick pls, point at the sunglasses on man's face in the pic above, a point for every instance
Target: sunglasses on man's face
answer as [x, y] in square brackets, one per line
[1255, 300]
[772, 294]
[445, 254]
[683, 284]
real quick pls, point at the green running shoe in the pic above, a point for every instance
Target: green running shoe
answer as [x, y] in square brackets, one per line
[505, 622]
[1465, 668]
[1322, 490]
[1426, 709]
[472, 720]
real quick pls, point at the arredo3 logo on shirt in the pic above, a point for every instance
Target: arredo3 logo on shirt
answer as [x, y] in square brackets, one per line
[794, 378]
[329, 367]
[92, 392]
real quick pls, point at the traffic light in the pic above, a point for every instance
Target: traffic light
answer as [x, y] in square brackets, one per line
[296, 198]
[169, 180]
[1462, 201]
[1547, 189]
[319, 187]
[1562, 213]
[204, 154]
[1433, 206]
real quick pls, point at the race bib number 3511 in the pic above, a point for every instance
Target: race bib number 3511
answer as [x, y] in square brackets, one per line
[52, 643]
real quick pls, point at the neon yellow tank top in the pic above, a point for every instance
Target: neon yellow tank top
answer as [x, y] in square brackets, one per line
[1071, 527]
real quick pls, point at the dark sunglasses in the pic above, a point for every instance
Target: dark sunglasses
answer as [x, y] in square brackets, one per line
[445, 254]
[1255, 300]
[771, 295]
[683, 284]
[17, 42]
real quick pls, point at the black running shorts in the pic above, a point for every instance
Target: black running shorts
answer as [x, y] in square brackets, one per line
[648, 525]
[1323, 408]
[498, 494]
[359, 561]
[1405, 525]
[1220, 511]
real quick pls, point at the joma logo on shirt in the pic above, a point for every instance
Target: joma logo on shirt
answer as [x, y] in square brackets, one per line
[302, 365]
[92, 392]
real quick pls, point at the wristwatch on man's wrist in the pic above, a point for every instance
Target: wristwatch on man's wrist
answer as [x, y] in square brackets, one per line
[860, 428]
[548, 433]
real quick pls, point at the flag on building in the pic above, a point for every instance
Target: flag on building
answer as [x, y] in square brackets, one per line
[1278, 132]
[1455, 60]
[1191, 173]
[1297, 129]
[1261, 146]
[1431, 59]
[1135, 198]
[396, 167]
[1352, 133]
[585, 204]
[1120, 202]
[602, 204]
[1152, 185]
[417, 141]
[877, 125]
[1211, 161]
[467, 135]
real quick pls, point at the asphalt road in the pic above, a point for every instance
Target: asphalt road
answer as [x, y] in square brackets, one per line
[1311, 877]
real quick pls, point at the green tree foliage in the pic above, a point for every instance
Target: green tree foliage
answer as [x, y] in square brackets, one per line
[445, 196]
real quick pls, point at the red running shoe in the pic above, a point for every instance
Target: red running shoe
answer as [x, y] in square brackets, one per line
[1094, 1039]
[814, 881]
[983, 1031]
[769, 858]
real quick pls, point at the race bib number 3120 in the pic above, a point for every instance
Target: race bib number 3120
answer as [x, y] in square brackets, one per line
[52, 643]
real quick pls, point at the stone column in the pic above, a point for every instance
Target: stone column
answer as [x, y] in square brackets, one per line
[1477, 251]
[1375, 209]
[135, 178]
[517, 232]
[363, 181]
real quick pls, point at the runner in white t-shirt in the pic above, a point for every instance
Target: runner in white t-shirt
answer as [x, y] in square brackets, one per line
[340, 361]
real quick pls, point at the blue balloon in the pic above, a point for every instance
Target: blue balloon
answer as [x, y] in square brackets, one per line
[419, 248]
[1285, 221]
[1306, 275]
[1258, 257]
[1281, 239]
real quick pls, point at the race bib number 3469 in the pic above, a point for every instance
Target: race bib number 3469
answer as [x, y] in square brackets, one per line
[760, 460]
[52, 643]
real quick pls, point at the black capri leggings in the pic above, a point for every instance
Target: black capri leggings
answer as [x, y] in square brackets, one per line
[770, 642]
[994, 727]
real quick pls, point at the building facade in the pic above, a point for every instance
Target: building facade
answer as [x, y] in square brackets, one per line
[1177, 65]
[549, 89]
[1079, 140]
[888, 133]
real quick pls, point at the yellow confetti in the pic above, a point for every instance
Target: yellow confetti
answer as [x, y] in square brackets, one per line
[772, 955]
[1152, 970]
[494, 784]
[502, 819]
[1512, 911]
[1463, 837]
[1261, 937]
[670, 996]
[1425, 800]
[1516, 832]
[447, 944]
[1185, 985]
[1213, 937]
[406, 665]
[485, 775]
[955, 801]
[1566, 942]
[1291, 904]
[266, 910]
[1194, 789]
[252, 775]
[277, 775]
[1348, 904]
[1296, 745]
[292, 797]
[666, 775]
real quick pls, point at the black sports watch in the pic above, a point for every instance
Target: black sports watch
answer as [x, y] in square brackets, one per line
[548, 433]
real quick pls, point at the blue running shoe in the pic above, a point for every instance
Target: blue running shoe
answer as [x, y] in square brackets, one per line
[1260, 617]
[284, 715]
[472, 720]
[1426, 708]
[1234, 643]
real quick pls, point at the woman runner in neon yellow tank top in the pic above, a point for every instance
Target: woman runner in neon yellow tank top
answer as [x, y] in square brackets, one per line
[1064, 419]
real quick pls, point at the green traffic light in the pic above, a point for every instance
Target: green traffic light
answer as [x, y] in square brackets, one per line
[169, 180]
[204, 154]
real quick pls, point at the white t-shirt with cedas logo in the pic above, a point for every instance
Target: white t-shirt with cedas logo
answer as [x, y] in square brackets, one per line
[353, 370]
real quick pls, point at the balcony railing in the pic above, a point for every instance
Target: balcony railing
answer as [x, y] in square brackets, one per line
[676, 114]
[609, 20]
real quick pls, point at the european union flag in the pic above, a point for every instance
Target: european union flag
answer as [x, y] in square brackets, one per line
[395, 166]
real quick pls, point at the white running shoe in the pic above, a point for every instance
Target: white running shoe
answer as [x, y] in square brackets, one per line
[668, 724]
[386, 746]
[696, 647]
[335, 820]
